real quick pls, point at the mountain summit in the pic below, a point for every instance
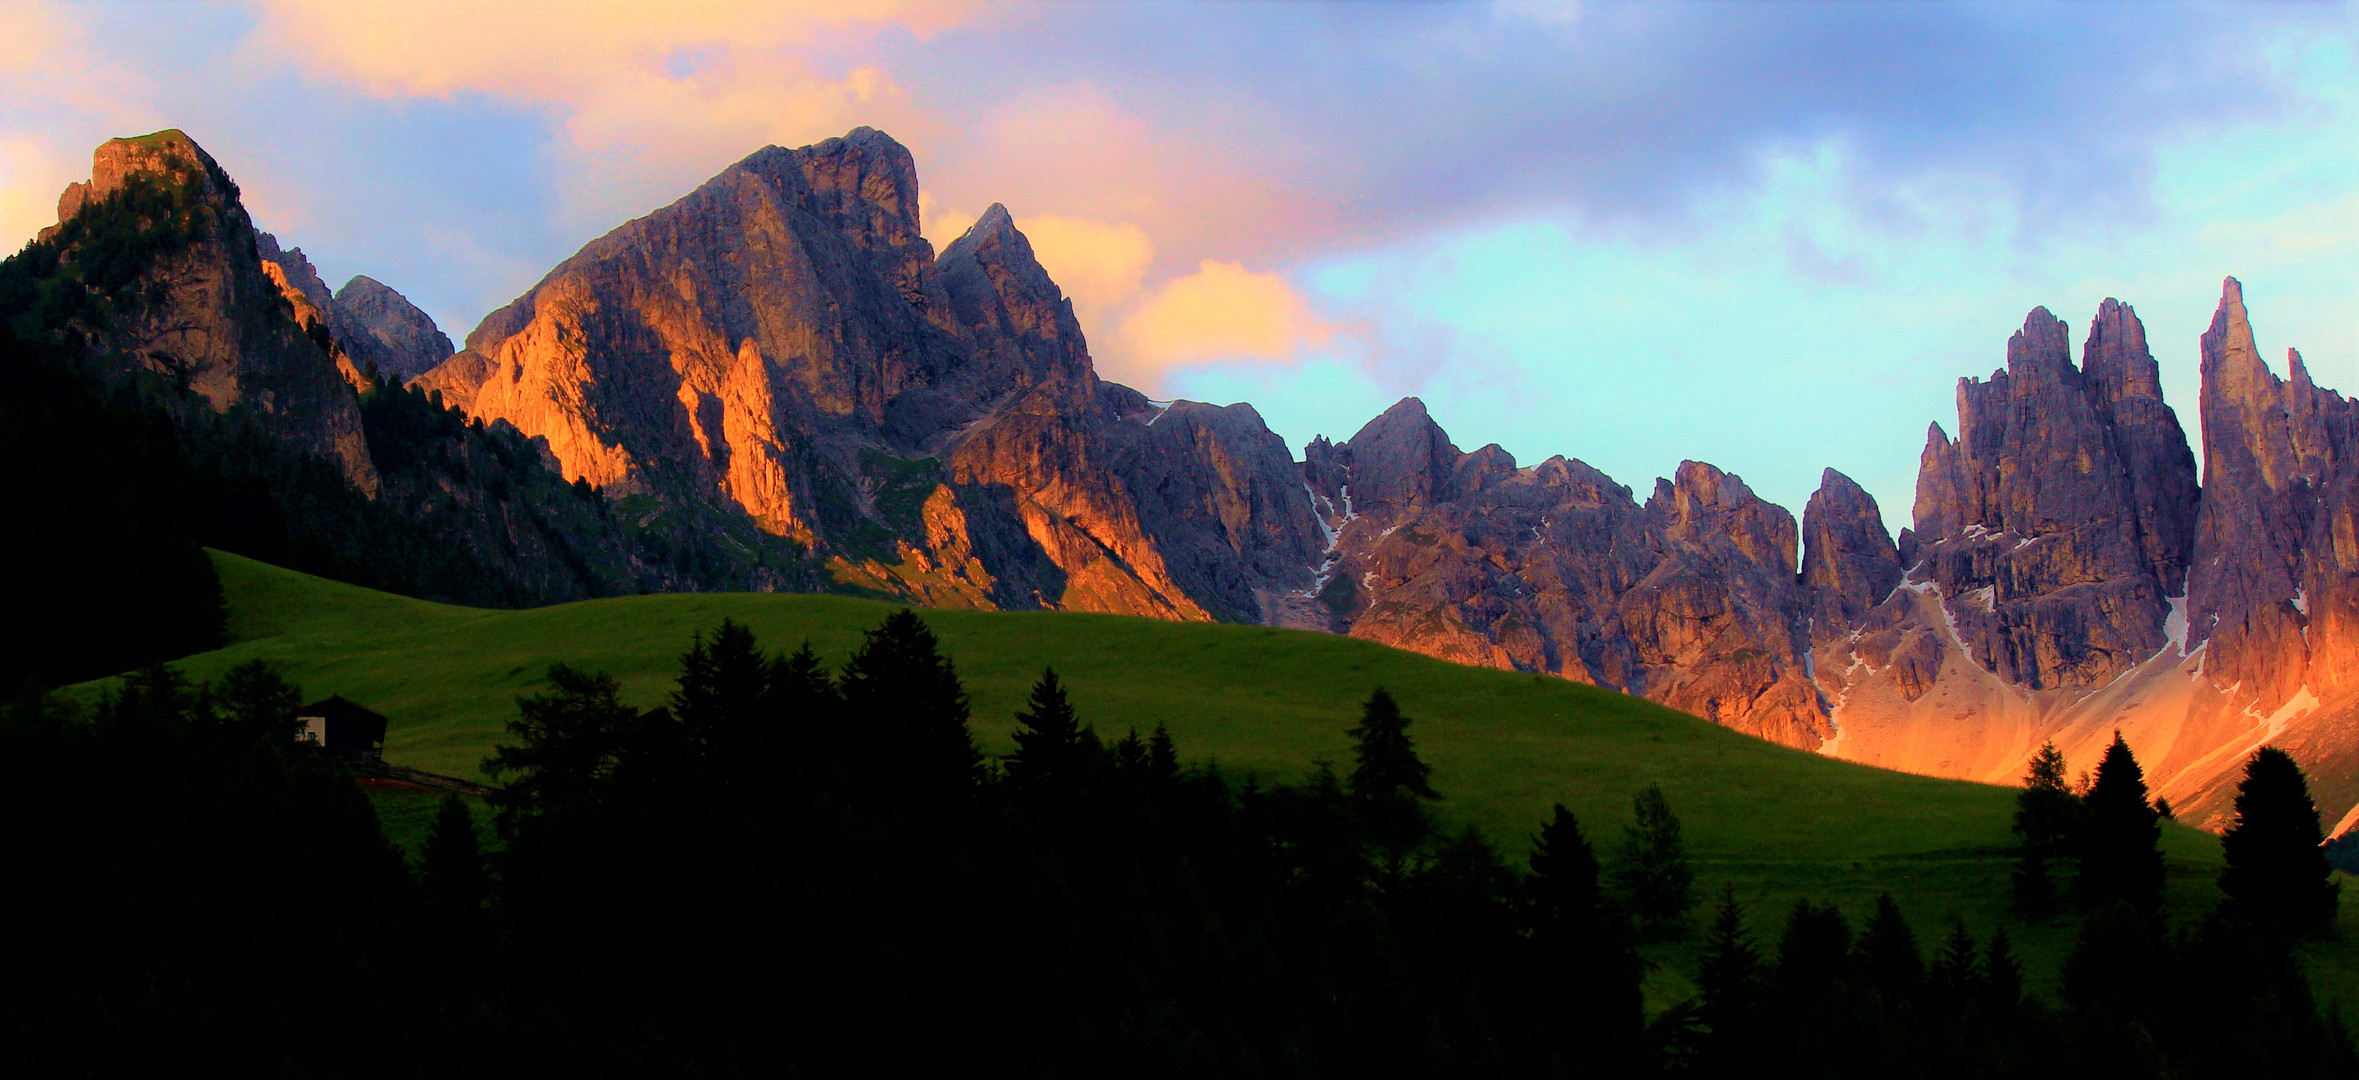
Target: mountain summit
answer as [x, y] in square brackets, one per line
[777, 382]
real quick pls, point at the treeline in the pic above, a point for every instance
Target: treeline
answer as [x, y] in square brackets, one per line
[797, 869]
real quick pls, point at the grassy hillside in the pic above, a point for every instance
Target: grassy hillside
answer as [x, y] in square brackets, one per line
[1772, 823]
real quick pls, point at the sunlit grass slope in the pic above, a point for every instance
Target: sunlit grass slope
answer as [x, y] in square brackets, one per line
[1774, 824]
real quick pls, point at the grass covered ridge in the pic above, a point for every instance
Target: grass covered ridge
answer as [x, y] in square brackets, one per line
[1773, 823]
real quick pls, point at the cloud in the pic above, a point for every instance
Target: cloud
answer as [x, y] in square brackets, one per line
[1098, 263]
[58, 98]
[648, 100]
[562, 51]
[1222, 313]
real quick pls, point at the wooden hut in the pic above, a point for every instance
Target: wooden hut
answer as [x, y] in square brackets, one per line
[343, 729]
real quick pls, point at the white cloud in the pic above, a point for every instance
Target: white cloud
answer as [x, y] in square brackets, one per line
[1222, 313]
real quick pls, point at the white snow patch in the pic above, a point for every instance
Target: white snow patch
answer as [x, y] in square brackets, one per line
[1326, 531]
[2301, 602]
[2295, 707]
[1975, 531]
[1985, 597]
[2023, 543]
[2174, 625]
[1348, 512]
[1161, 407]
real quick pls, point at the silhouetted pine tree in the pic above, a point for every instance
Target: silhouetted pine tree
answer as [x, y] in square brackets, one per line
[1587, 991]
[2120, 838]
[256, 698]
[1957, 966]
[1888, 953]
[2002, 979]
[1163, 764]
[2114, 980]
[2047, 814]
[451, 876]
[906, 717]
[804, 738]
[1564, 880]
[1729, 984]
[1651, 868]
[1389, 782]
[1129, 754]
[569, 741]
[1813, 954]
[722, 699]
[1892, 977]
[2277, 875]
[1051, 753]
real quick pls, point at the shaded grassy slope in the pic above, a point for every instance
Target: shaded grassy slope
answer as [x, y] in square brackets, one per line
[1772, 823]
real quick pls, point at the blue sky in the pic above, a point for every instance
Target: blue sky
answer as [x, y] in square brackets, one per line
[1769, 236]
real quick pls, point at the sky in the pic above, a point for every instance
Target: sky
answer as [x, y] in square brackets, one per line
[1771, 236]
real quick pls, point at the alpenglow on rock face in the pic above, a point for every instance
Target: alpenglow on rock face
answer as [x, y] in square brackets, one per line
[210, 311]
[2066, 578]
[780, 368]
[784, 344]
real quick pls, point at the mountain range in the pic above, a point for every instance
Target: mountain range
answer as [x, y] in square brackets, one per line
[777, 383]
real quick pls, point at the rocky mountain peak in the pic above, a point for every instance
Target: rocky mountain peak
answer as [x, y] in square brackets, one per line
[381, 327]
[1848, 559]
[1400, 457]
[2232, 365]
[169, 155]
[1702, 503]
[2279, 460]
[2116, 358]
[995, 241]
[864, 181]
[208, 306]
[2040, 354]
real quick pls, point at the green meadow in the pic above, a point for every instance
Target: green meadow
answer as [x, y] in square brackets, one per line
[1771, 823]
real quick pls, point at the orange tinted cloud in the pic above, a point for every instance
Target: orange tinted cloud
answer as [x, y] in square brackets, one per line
[1098, 263]
[1078, 151]
[1222, 313]
[556, 50]
[60, 98]
[649, 99]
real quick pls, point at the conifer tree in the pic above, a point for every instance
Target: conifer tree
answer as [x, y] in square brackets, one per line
[1956, 973]
[569, 742]
[1651, 869]
[2046, 815]
[1162, 755]
[2002, 978]
[1888, 953]
[722, 684]
[1564, 879]
[1730, 985]
[1588, 969]
[1388, 781]
[804, 727]
[256, 699]
[906, 715]
[1813, 954]
[2120, 841]
[2278, 876]
[1130, 754]
[1385, 764]
[450, 862]
[1051, 755]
